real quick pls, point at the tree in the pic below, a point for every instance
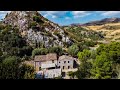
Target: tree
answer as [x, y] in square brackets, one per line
[1, 53]
[12, 50]
[113, 46]
[39, 51]
[71, 74]
[37, 19]
[26, 72]
[73, 50]
[84, 56]
[58, 50]
[85, 64]
[11, 43]
[25, 51]
[102, 67]
[10, 67]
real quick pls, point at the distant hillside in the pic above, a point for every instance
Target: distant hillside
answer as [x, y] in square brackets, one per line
[108, 27]
[98, 22]
[79, 33]
[103, 21]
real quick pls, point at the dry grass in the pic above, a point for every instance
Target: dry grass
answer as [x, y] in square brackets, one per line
[109, 34]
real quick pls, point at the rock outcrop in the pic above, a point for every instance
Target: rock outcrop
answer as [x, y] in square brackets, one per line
[36, 29]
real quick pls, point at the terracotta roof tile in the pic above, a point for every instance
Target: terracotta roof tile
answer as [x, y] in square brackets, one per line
[63, 57]
[51, 56]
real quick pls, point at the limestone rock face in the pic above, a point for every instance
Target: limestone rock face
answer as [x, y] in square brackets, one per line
[42, 32]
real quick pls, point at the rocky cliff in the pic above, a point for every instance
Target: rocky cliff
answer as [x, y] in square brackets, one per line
[36, 29]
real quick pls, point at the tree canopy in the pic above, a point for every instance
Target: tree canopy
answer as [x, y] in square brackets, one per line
[73, 50]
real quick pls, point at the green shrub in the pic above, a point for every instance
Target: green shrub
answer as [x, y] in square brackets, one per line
[57, 50]
[47, 33]
[59, 77]
[101, 67]
[26, 72]
[32, 24]
[37, 19]
[58, 34]
[73, 50]
[1, 27]
[39, 51]
[71, 74]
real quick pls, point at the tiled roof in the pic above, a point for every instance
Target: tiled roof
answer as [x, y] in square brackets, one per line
[40, 58]
[63, 57]
[48, 57]
[51, 56]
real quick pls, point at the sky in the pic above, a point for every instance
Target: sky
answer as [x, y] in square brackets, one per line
[70, 17]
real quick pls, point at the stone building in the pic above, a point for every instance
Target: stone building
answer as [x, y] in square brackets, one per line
[66, 62]
[45, 61]
[49, 66]
[53, 73]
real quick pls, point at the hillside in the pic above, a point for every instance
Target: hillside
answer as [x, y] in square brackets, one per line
[102, 22]
[36, 29]
[109, 28]
[79, 34]
[111, 31]
[30, 43]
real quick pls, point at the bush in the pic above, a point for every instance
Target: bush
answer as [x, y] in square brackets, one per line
[26, 51]
[59, 77]
[32, 24]
[57, 50]
[71, 74]
[73, 50]
[101, 67]
[39, 51]
[89, 43]
[9, 68]
[66, 44]
[1, 27]
[26, 72]
[57, 34]
[47, 33]
[37, 19]
[83, 56]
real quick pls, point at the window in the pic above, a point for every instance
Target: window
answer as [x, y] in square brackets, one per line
[68, 61]
[39, 68]
[52, 61]
[68, 67]
[64, 61]
[63, 67]
[53, 75]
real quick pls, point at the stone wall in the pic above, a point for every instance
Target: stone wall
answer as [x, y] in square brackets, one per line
[66, 64]
[52, 73]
